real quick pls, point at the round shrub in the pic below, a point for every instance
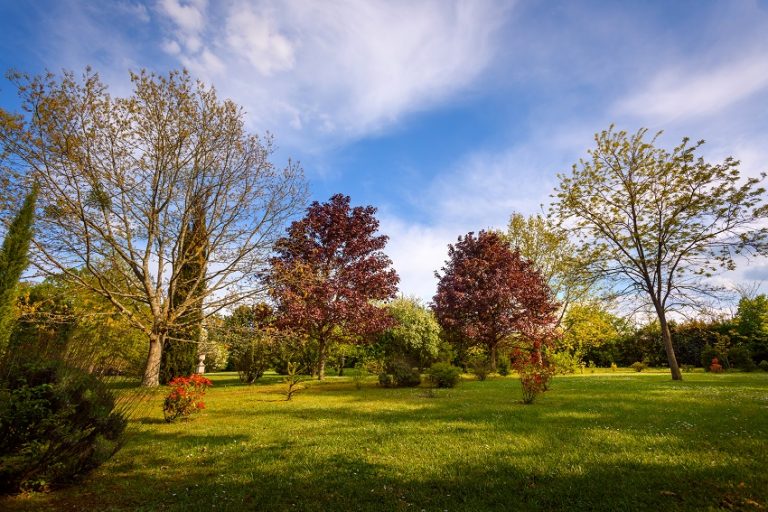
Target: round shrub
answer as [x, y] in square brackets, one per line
[638, 366]
[763, 365]
[400, 374]
[56, 423]
[502, 367]
[444, 375]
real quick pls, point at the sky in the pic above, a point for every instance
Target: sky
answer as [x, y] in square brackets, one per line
[446, 115]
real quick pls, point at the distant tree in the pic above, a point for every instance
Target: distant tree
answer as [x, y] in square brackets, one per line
[662, 221]
[487, 293]
[252, 337]
[13, 261]
[752, 325]
[553, 254]
[415, 336]
[121, 181]
[589, 325]
[327, 272]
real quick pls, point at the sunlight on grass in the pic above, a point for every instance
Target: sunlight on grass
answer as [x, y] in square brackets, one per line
[603, 441]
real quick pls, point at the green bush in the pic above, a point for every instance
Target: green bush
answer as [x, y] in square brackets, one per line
[638, 366]
[564, 362]
[56, 423]
[763, 365]
[739, 357]
[444, 375]
[400, 374]
[480, 367]
[708, 353]
[502, 367]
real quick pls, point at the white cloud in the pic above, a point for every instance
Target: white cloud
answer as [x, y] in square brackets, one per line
[687, 92]
[332, 71]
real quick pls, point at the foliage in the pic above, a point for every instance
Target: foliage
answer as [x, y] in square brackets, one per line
[182, 343]
[415, 335]
[186, 397]
[659, 220]
[638, 366]
[326, 273]
[763, 365]
[552, 253]
[399, 374]
[121, 180]
[58, 318]
[533, 379]
[502, 367]
[564, 362]
[590, 326]
[752, 325]
[739, 357]
[480, 367]
[56, 423]
[715, 367]
[444, 375]
[252, 337]
[14, 256]
[487, 293]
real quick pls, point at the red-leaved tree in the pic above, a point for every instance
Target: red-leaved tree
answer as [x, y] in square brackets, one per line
[488, 294]
[328, 271]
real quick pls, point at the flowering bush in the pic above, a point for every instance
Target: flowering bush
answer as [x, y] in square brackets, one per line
[186, 397]
[715, 367]
[535, 374]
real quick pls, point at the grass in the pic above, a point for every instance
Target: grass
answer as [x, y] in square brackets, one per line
[597, 441]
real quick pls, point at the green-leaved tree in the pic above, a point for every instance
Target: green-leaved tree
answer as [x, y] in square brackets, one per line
[663, 221]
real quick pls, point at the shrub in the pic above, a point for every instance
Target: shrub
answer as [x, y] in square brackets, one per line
[400, 374]
[503, 367]
[56, 423]
[480, 368]
[564, 362]
[444, 375]
[715, 367]
[763, 365]
[739, 357]
[186, 397]
[708, 353]
[614, 367]
[638, 366]
[533, 378]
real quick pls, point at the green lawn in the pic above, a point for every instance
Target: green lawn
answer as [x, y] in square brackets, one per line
[605, 441]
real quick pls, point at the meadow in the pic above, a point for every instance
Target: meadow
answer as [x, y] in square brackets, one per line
[595, 441]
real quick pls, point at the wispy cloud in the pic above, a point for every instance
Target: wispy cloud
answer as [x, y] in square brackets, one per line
[339, 69]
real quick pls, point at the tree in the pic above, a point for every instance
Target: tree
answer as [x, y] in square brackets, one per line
[588, 327]
[13, 262]
[415, 335]
[327, 272]
[122, 180]
[662, 221]
[179, 355]
[488, 293]
[252, 337]
[752, 324]
[553, 254]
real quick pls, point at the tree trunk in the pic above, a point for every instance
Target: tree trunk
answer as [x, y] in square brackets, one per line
[666, 337]
[321, 361]
[152, 369]
[493, 356]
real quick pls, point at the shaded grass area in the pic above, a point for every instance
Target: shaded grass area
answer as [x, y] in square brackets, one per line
[594, 442]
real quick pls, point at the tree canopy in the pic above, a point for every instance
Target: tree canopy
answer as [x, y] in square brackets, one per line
[122, 179]
[488, 293]
[327, 272]
[662, 221]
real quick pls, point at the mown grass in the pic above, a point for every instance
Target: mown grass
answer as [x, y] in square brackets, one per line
[603, 441]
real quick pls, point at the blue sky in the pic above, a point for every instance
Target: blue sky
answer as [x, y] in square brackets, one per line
[446, 115]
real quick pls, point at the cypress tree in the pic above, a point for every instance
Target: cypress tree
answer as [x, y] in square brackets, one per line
[180, 349]
[14, 258]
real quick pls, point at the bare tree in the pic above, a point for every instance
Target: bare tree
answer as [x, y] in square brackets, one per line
[662, 221]
[123, 179]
